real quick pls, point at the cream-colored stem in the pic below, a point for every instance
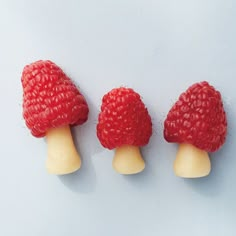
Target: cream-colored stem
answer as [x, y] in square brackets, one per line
[191, 162]
[128, 160]
[62, 155]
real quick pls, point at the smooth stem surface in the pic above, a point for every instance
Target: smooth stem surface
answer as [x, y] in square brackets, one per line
[128, 160]
[191, 162]
[62, 155]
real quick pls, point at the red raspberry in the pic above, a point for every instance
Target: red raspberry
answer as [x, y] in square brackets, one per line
[123, 119]
[50, 98]
[197, 118]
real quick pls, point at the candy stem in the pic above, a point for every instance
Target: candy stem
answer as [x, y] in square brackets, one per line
[62, 155]
[191, 162]
[128, 160]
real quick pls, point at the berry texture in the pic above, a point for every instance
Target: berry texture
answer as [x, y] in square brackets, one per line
[123, 120]
[198, 118]
[50, 99]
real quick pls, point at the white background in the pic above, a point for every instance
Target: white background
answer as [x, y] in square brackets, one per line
[157, 47]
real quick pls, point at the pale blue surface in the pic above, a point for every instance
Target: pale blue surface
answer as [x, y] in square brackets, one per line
[157, 47]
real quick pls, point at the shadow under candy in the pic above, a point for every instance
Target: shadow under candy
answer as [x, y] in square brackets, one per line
[84, 180]
[222, 162]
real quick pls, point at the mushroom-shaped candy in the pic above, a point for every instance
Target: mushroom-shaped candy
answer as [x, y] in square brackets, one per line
[197, 121]
[124, 124]
[51, 103]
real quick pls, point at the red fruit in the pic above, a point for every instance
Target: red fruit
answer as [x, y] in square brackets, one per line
[197, 118]
[50, 98]
[124, 119]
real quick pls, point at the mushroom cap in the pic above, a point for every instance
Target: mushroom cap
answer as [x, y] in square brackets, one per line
[197, 118]
[50, 99]
[123, 120]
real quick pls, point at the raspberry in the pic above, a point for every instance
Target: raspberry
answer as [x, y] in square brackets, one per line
[197, 118]
[50, 98]
[123, 120]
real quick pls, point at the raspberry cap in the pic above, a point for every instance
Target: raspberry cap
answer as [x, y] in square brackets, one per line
[123, 120]
[197, 118]
[50, 99]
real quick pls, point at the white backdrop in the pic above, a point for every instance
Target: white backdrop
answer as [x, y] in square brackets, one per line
[157, 47]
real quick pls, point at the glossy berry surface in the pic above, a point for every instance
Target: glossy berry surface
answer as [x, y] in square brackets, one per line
[50, 99]
[198, 118]
[123, 120]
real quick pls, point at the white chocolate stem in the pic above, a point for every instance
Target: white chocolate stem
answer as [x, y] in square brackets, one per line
[191, 162]
[128, 160]
[62, 155]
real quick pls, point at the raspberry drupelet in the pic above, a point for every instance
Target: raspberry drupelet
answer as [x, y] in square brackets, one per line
[197, 121]
[124, 124]
[51, 104]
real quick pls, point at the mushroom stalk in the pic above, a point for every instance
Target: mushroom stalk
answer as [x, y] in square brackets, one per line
[62, 155]
[128, 160]
[191, 162]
